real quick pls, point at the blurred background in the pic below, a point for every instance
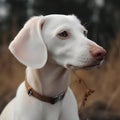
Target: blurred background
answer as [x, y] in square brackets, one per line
[101, 18]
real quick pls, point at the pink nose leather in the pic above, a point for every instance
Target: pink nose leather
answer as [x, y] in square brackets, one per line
[97, 52]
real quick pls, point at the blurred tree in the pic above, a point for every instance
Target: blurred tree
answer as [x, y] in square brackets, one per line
[4, 13]
[76, 7]
[102, 16]
[18, 10]
[17, 16]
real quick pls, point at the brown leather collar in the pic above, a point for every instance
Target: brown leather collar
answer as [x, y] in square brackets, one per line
[51, 100]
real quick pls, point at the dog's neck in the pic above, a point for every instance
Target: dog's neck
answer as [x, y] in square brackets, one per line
[51, 80]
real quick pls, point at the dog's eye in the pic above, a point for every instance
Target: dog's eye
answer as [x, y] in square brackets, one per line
[85, 33]
[63, 35]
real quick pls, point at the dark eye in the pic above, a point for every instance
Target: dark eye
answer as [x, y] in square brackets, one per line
[85, 33]
[63, 34]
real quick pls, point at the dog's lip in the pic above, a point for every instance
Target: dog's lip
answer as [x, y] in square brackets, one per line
[69, 66]
[90, 66]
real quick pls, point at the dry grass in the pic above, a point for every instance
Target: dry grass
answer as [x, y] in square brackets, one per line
[105, 80]
[11, 74]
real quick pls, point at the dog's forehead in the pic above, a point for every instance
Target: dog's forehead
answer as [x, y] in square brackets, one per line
[56, 20]
[62, 17]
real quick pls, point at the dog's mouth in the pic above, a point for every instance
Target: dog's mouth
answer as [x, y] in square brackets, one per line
[92, 65]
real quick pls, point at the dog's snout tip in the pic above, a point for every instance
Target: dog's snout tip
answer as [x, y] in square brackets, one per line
[98, 53]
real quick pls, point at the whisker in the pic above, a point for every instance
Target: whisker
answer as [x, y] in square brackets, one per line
[86, 24]
[94, 35]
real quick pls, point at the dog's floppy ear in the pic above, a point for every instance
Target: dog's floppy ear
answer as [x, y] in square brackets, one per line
[28, 46]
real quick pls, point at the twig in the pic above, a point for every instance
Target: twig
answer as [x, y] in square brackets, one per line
[88, 91]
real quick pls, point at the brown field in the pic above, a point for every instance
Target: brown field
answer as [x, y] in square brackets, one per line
[105, 80]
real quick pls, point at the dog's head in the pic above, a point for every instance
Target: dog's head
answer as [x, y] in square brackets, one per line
[61, 38]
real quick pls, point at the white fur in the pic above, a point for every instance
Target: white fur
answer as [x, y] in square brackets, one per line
[46, 56]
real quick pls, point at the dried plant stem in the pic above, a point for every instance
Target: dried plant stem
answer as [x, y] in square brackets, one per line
[80, 80]
[87, 93]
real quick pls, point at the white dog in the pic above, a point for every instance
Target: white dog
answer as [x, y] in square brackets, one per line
[48, 46]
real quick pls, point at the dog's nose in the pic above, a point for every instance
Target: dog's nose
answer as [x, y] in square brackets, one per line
[97, 52]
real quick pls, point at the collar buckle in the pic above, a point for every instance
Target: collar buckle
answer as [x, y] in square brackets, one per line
[58, 98]
[30, 92]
